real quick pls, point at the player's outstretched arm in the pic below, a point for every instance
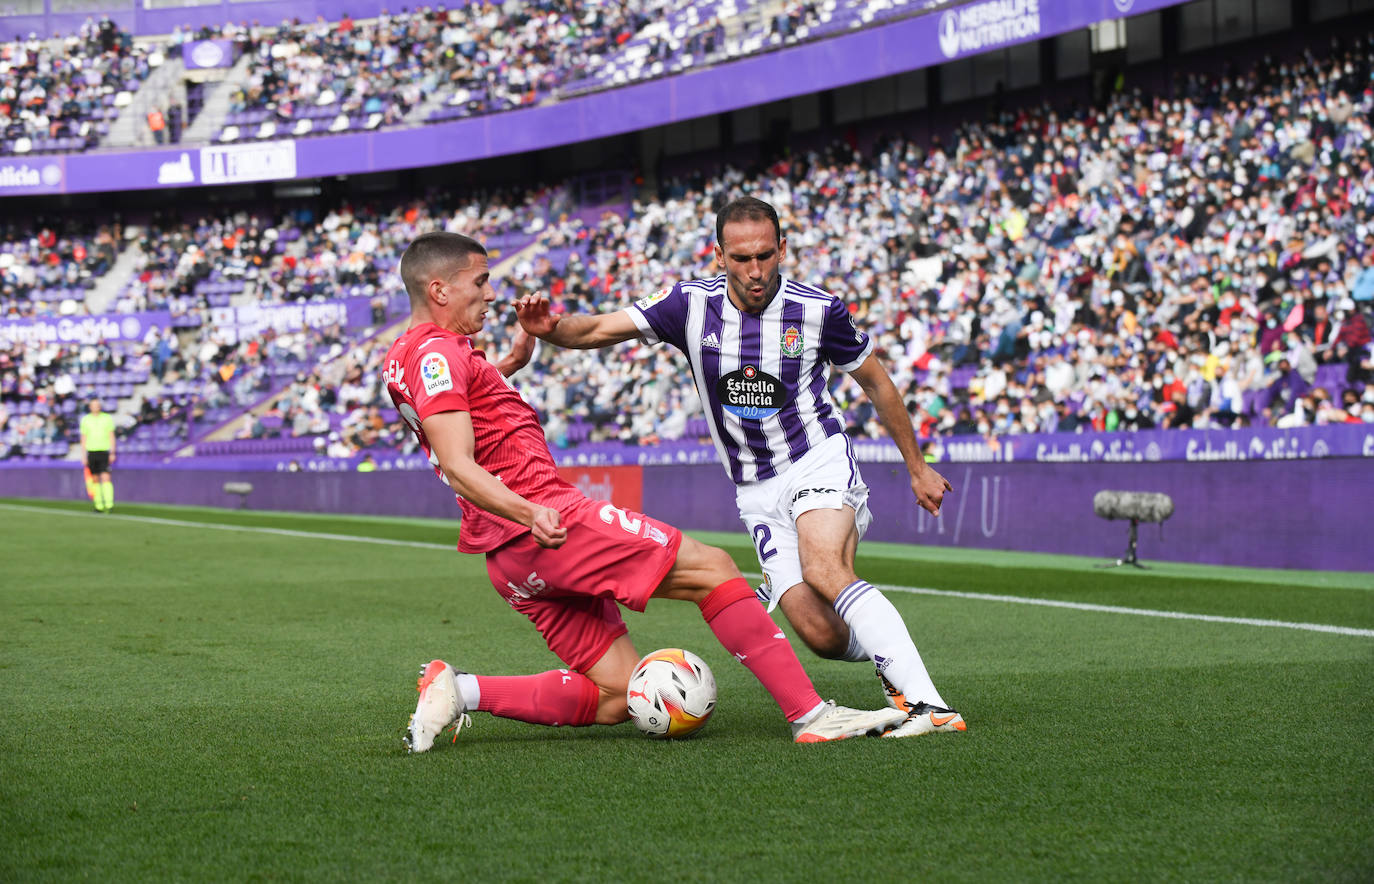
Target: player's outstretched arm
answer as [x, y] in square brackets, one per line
[582, 332]
[452, 442]
[926, 483]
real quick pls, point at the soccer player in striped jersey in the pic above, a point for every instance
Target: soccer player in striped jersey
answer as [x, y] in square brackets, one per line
[761, 347]
[559, 558]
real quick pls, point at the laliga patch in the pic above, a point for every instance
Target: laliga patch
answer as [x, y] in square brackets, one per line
[751, 394]
[646, 303]
[435, 374]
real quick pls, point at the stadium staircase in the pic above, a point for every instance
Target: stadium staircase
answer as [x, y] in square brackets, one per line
[130, 128]
[211, 117]
[100, 299]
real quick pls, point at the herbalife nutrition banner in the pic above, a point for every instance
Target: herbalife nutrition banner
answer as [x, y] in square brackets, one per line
[82, 329]
[913, 43]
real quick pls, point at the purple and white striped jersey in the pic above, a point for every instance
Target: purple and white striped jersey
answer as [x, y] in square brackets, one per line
[762, 379]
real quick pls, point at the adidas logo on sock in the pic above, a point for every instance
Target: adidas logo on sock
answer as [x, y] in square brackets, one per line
[881, 662]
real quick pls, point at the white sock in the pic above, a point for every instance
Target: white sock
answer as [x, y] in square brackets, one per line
[877, 626]
[855, 653]
[806, 719]
[468, 689]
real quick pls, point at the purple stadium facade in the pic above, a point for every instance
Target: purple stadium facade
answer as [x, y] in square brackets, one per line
[1302, 513]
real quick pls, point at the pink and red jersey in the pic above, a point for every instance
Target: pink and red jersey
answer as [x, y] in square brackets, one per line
[430, 371]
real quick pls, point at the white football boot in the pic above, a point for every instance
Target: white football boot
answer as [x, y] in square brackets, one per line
[923, 718]
[840, 722]
[440, 705]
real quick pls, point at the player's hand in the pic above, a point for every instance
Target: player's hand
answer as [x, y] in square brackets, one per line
[546, 528]
[930, 488]
[535, 316]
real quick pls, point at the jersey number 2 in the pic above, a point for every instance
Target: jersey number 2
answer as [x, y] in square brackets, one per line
[631, 526]
[763, 535]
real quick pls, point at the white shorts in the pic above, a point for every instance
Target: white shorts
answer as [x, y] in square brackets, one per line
[827, 477]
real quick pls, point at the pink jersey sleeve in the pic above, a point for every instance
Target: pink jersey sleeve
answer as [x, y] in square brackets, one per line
[442, 372]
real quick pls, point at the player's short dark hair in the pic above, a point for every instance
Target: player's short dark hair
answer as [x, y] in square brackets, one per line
[431, 251]
[746, 208]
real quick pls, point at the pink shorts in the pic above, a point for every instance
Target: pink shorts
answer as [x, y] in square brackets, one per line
[570, 594]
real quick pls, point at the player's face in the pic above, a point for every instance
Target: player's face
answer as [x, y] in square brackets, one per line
[469, 292]
[750, 254]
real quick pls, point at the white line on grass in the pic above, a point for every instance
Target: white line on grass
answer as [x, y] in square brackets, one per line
[253, 529]
[1139, 612]
[916, 590]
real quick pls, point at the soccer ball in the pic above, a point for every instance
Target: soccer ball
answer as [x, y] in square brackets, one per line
[672, 692]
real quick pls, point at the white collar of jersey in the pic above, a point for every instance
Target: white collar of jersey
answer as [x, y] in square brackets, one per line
[773, 306]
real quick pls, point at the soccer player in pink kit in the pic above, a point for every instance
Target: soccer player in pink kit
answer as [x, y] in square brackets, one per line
[559, 558]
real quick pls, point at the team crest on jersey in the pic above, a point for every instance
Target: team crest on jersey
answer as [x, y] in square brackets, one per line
[434, 372]
[792, 342]
[646, 303]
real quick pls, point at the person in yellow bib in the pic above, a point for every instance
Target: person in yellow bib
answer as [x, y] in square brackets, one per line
[98, 447]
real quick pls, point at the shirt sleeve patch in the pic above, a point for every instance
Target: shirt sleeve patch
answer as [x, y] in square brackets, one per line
[435, 374]
[651, 300]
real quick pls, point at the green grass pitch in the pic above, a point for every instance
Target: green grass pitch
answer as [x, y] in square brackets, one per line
[183, 701]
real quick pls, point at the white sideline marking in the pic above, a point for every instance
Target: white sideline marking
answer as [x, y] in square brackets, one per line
[1139, 612]
[252, 529]
[916, 590]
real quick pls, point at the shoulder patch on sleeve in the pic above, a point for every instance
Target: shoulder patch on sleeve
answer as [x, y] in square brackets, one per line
[435, 374]
[651, 300]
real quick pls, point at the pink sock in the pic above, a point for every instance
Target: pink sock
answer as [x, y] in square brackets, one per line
[751, 635]
[558, 697]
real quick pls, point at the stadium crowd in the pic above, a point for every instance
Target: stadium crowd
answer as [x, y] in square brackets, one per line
[203, 368]
[46, 269]
[475, 58]
[1192, 261]
[57, 94]
[1200, 260]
